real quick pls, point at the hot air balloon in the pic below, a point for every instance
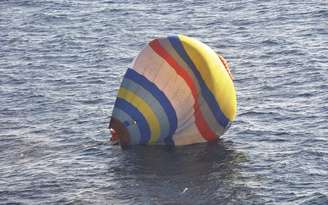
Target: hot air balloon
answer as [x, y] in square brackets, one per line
[178, 91]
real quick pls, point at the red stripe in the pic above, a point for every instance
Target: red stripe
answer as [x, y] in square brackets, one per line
[201, 124]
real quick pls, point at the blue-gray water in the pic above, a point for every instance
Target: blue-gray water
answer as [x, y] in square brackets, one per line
[61, 63]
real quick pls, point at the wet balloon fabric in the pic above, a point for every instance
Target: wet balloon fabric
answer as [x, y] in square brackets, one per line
[177, 92]
[63, 62]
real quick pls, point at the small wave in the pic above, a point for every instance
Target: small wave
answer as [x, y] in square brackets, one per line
[315, 199]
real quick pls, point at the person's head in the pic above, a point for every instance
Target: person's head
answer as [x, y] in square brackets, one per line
[119, 133]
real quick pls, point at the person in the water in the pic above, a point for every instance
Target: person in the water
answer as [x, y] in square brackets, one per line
[119, 132]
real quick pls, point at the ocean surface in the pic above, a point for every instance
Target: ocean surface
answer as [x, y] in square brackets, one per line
[61, 64]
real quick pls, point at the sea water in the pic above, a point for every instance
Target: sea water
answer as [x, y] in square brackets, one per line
[61, 64]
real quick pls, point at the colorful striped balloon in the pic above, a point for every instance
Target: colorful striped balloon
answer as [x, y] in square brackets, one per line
[178, 91]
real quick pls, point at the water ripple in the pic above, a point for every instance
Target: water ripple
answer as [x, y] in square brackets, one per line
[61, 63]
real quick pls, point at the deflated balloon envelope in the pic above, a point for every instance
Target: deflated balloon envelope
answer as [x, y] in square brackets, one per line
[178, 91]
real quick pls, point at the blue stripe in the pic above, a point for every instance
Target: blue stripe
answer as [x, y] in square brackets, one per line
[137, 116]
[126, 119]
[207, 94]
[153, 103]
[161, 98]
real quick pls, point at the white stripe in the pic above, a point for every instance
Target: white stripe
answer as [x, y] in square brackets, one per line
[188, 136]
[157, 70]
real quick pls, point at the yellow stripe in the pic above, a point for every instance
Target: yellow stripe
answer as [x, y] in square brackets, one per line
[145, 109]
[213, 73]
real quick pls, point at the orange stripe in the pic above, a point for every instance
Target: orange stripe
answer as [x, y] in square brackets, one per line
[201, 124]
